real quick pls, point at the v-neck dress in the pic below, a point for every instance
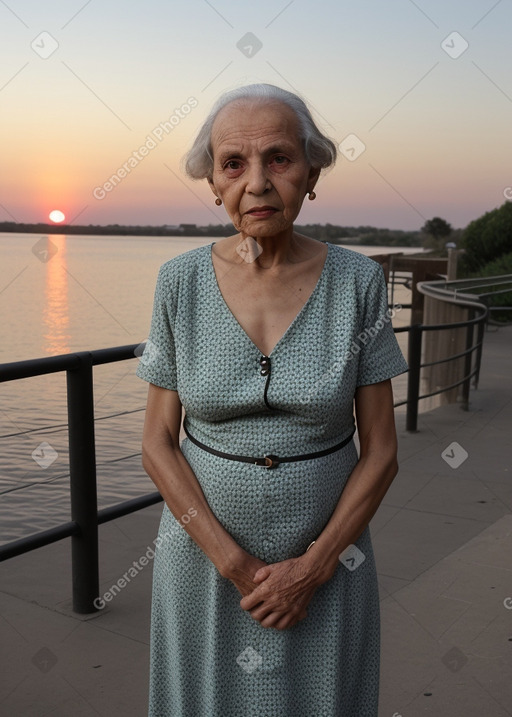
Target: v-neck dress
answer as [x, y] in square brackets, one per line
[209, 657]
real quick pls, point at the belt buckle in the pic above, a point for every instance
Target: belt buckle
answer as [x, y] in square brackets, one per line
[268, 461]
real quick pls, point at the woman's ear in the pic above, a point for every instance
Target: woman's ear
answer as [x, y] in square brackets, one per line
[212, 186]
[314, 173]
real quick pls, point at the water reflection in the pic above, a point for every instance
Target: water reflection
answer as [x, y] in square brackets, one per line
[55, 314]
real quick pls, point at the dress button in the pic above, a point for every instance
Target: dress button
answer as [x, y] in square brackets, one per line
[264, 371]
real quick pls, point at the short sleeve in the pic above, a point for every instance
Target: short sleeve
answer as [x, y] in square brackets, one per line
[158, 360]
[379, 355]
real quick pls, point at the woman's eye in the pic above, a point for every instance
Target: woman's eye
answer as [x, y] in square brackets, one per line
[232, 164]
[280, 159]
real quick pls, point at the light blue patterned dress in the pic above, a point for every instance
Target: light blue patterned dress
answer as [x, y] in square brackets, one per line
[209, 657]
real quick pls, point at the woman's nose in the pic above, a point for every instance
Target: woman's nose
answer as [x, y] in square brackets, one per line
[256, 178]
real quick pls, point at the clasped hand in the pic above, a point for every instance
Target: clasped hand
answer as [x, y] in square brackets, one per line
[280, 593]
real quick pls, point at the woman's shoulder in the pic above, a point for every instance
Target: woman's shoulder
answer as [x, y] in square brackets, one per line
[184, 264]
[354, 262]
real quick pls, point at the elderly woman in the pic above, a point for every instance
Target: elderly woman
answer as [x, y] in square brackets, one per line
[265, 594]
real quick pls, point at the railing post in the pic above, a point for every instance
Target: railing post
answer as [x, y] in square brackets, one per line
[413, 382]
[84, 501]
[468, 360]
[392, 276]
[480, 341]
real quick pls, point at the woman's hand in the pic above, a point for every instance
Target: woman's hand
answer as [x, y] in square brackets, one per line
[242, 575]
[283, 593]
[242, 572]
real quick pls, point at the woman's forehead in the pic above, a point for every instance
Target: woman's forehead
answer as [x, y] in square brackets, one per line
[250, 119]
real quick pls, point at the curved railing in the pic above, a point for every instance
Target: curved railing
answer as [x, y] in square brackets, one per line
[477, 316]
[473, 289]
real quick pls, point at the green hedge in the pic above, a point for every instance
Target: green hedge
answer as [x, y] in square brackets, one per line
[498, 267]
[485, 240]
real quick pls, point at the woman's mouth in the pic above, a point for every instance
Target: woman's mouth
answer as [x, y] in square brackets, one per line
[261, 212]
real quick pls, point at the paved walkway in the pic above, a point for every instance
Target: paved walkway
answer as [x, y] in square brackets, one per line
[443, 543]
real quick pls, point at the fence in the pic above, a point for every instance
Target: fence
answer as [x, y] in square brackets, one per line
[85, 517]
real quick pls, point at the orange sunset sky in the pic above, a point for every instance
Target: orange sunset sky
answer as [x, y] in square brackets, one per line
[422, 91]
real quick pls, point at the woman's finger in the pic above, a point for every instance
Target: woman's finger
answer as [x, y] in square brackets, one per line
[271, 619]
[286, 620]
[250, 601]
[262, 574]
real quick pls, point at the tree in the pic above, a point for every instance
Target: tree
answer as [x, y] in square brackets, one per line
[487, 239]
[438, 229]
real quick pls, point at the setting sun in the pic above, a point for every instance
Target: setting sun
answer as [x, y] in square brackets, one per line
[57, 216]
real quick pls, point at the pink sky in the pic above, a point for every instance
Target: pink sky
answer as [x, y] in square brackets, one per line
[427, 95]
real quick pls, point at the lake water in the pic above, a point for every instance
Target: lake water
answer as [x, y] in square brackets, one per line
[88, 292]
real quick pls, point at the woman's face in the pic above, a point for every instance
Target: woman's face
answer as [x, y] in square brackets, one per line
[259, 162]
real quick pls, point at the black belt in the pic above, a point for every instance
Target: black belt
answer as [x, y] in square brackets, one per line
[270, 461]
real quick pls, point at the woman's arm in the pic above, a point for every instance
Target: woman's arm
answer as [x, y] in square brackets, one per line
[368, 482]
[287, 587]
[170, 471]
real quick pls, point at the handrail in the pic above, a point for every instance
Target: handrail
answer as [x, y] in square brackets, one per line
[476, 282]
[453, 288]
[438, 290]
[63, 362]
[85, 517]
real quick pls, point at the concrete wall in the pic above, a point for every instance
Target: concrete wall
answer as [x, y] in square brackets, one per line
[442, 344]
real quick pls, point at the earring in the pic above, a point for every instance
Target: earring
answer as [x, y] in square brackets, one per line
[312, 196]
[218, 201]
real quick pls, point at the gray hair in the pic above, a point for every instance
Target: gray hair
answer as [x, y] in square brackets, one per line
[319, 150]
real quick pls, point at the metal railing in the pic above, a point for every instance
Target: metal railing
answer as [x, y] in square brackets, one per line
[479, 289]
[478, 312]
[85, 517]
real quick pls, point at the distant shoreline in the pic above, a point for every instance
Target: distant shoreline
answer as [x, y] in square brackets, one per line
[356, 236]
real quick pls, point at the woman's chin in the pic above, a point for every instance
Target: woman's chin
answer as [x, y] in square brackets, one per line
[261, 228]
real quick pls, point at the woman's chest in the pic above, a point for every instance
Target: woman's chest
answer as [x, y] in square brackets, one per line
[311, 367]
[265, 310]
[266, 303]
